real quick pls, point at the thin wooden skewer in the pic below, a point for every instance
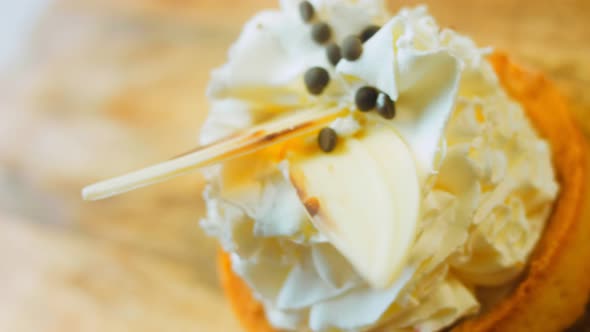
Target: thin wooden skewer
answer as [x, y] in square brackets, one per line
[234, 146]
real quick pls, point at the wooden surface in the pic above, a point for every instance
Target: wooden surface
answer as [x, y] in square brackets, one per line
[102, 88]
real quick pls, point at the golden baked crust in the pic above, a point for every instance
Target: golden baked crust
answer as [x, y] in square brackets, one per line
[555, 287]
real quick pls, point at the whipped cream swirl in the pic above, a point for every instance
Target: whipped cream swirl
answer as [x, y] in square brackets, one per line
[487, 183]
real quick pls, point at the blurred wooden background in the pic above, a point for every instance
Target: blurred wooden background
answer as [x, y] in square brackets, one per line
[103, 87]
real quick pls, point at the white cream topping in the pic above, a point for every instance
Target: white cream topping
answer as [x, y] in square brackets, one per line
[483, 206]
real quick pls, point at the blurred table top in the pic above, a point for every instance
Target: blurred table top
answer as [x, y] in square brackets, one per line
[104, 87]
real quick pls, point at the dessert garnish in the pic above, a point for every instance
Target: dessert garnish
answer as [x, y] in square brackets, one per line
[316, 79]
[352, 48]
[327, 139]
[333, 53]
[306, 11]
[321, 32]
[366, 98]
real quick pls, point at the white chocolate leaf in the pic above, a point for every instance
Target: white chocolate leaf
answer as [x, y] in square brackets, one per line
[423, 84]
[365, 198]
[375, 50]
[425, 105]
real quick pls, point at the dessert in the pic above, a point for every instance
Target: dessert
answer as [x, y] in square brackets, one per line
[370, 172]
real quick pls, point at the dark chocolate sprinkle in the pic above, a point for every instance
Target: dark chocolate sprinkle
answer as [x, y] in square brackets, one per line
[321, 32]
[306, 11]
[368, 32]
[366, 98]
[352, 48]
[327, 139]
[385, 106]
[316, 79]
[333, 53]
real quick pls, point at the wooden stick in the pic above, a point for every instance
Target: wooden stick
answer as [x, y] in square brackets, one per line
[237, 145]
